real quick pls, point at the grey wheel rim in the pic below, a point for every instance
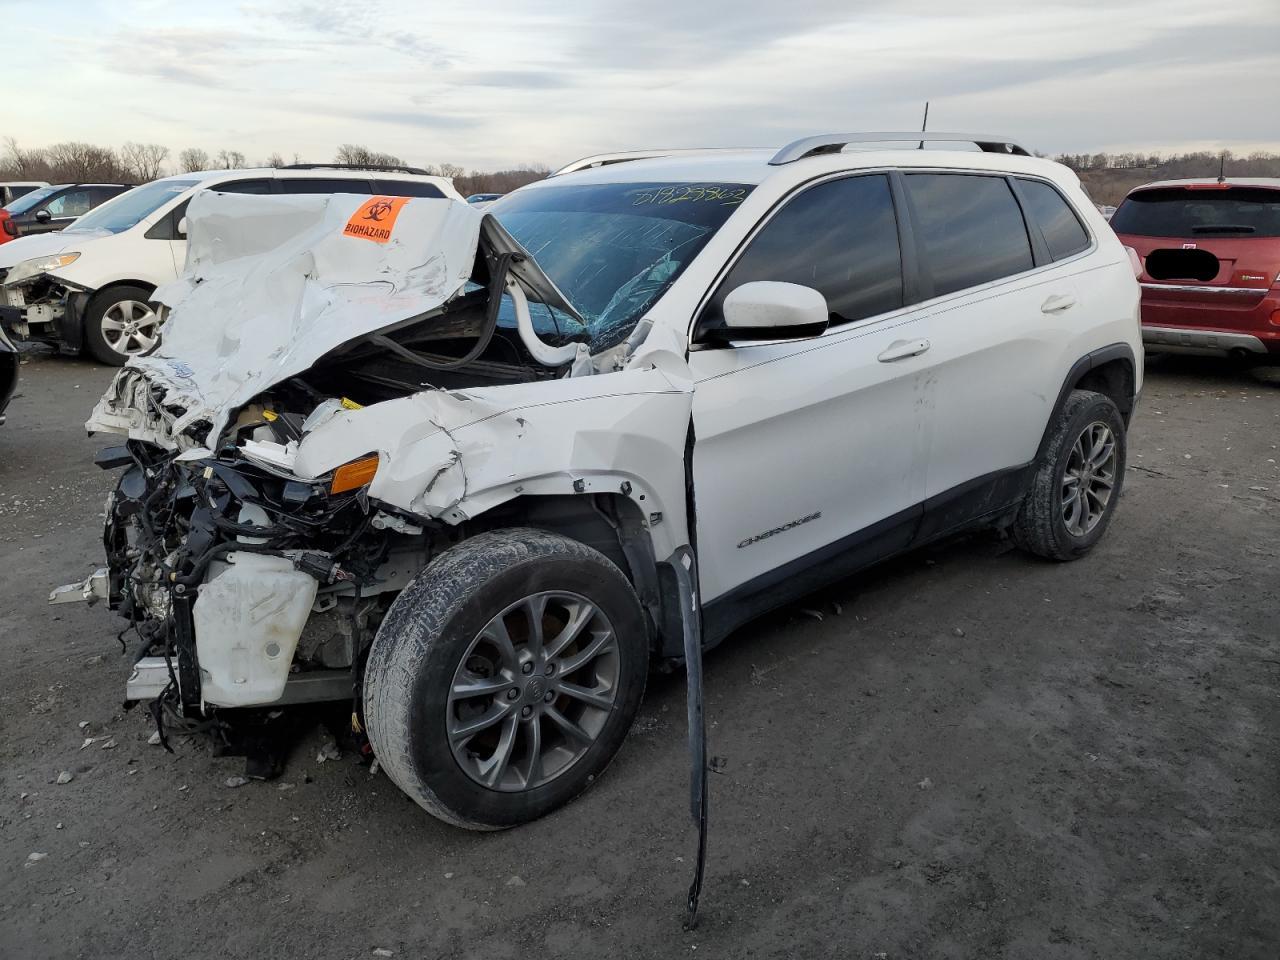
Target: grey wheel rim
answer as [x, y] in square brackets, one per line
[533, 692]
[130, 327]
[1088, 479]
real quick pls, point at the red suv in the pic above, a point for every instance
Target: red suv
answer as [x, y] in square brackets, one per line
[1210, 253]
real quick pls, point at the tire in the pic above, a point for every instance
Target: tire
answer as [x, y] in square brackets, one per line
[1048, 524]
[124, 305]
[437, 640]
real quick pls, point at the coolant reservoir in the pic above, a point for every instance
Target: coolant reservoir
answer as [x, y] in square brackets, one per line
[248, 617]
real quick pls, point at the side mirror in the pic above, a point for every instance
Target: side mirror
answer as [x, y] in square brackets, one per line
[182, 227]
[770, 310]
[43, 216]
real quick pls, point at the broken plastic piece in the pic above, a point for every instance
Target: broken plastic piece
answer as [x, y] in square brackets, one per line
[93, 589]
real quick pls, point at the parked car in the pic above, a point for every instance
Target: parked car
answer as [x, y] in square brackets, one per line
[8, 372]
[54, 208]
[495, 487]
[483, 199]
[13, 189]
[89, 287]
[1210, 254]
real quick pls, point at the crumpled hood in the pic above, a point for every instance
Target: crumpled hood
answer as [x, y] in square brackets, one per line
[44, 245]
[273, 283]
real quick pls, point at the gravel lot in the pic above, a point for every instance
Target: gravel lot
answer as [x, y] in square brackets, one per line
[980, 755]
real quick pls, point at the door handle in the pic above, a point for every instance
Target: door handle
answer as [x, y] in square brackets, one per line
[901, 349]
[1057, 303]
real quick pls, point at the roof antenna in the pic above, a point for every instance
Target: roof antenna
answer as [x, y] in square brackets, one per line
[1222, 167]
[924, 126]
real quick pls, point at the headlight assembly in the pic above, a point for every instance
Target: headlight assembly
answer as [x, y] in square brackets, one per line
[33, 268]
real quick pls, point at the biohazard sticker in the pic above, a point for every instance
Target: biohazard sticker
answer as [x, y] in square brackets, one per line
[375, 219]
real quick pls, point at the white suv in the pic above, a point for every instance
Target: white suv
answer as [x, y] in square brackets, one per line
[90, 286]
[487, 469]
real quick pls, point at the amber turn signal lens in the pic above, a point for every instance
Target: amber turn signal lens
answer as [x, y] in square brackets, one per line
[354, 475]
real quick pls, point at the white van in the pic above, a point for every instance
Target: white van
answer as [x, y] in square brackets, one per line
[89, 287]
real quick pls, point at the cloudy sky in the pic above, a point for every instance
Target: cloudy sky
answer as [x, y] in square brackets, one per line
[496, 83]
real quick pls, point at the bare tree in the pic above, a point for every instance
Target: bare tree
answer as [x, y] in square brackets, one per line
[500, 181]
[193, 159]
[230, 160]
[275, 160]
[20, 164]
[361, 156]
[144, 161]
[75, 161]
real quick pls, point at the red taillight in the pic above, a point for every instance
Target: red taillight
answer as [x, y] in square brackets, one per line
[7, 224]
[1208, 186]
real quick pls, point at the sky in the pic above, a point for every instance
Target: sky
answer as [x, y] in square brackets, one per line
[500, 83]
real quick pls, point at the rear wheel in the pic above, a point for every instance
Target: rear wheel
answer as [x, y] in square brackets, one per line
[1077, 481]
[119, 323]
[505, 677]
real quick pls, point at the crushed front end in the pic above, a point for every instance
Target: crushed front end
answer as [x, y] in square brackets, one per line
[242, 587]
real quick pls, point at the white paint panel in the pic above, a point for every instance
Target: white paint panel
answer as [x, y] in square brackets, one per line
[787, 430]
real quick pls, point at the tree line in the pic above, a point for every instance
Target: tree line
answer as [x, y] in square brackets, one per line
[77, 162]
[1106, 176]
[1109, 176]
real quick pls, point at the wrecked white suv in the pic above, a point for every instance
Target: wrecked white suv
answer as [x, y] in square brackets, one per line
[474, 472]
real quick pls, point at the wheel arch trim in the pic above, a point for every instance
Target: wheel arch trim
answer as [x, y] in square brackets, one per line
[1080, 370]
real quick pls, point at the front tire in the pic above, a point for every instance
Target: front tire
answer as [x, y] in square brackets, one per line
[505, 677]
[1077, 482]
[119, 323]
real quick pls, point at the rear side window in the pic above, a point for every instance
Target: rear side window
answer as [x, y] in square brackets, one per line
[103, 194]
[322, 185]
[406, 188]
[840, 237]
[244, 186]
[1201, 212]
[970, 229]
[1063, 233]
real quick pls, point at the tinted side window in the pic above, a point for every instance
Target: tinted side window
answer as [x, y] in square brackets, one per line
[1063, 232]
[322, 185]
[406, 188]
[840, 237]
[244, 186]
[103, 194]
[970, 228]
[166, 228]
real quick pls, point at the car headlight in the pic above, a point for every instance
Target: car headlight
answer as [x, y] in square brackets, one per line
[33, 268]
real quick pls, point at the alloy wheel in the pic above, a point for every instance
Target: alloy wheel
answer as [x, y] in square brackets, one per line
[1088, 479]
[533, 692]
[130, 327]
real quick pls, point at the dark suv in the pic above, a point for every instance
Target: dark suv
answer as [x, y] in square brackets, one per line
[52, 208]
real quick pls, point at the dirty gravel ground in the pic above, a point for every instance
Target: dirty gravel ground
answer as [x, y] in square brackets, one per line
[981, 755]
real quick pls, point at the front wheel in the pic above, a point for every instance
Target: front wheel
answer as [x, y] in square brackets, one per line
[1077, 481]
[119, 323]
[505, 677]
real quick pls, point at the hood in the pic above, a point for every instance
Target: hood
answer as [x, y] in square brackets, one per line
[44, 245]
[274, 283]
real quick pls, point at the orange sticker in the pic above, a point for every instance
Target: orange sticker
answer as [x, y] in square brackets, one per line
[375, 219]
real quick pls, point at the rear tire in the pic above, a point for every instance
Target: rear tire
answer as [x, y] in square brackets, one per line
[1077, 482]
[119, 323]
[477, 641]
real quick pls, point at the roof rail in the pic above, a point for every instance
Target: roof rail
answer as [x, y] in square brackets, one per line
[835, 142]
[606, 159]
[372, 167]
